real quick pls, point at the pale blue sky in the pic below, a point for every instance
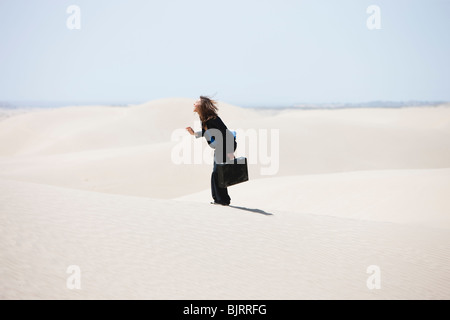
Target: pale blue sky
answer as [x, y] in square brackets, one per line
[250, 53]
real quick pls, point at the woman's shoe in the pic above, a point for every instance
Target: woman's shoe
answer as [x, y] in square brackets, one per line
[221, 204]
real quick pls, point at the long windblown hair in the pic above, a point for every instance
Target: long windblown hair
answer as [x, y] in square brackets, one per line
[208, 109]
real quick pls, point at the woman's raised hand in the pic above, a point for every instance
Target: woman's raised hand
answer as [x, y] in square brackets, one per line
[191, 132]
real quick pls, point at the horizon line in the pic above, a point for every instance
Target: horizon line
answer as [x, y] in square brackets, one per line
[62, 103]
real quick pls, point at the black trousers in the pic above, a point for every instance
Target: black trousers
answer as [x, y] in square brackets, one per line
[219, 194]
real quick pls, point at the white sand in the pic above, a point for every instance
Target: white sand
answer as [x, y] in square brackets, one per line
[416, 197]
[95, 187]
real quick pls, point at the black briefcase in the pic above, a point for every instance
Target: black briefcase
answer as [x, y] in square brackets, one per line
[232, 172]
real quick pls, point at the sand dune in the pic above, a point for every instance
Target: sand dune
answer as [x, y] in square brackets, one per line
[96, 186]
[139, 248]
[121, 150]
[81, 128]
[416, 197]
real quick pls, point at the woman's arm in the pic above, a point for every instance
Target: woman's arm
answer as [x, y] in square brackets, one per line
[189, 129]
[206, 133]
[210, 139]
[197, 134]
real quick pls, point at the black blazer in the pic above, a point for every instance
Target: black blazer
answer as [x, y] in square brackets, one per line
[220, 145]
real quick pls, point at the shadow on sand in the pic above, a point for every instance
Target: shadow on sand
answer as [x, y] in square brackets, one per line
[252, 210]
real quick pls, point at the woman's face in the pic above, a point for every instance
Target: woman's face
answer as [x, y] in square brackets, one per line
[197, 105]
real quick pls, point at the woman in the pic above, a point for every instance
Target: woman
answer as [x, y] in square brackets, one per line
[219, 138]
